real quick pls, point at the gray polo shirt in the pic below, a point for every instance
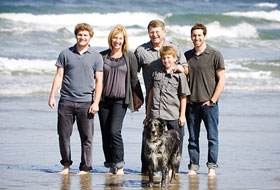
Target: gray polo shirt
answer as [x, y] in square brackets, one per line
[167, 88]
[202, 73]
[149, 60]
[79, 69]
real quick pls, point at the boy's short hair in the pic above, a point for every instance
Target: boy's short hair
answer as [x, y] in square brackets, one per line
[156, 23]
[116, 30]
[199, 26]
[83, 27]
[168, 50]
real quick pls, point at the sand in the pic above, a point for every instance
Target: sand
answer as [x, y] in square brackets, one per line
[249, 152]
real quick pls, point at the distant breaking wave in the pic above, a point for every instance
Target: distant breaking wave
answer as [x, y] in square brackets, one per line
[269, 5]
[272, 15]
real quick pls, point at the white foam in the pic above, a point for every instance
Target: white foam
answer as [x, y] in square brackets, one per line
[96, 19]
[268, 15]
[215, 31]
[26, 66]
[269, 5]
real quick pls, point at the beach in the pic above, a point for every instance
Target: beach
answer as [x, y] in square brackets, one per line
[248, 157]
[34, 32]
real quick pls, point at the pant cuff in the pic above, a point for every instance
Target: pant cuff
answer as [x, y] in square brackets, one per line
[211, 165]
[118, 165]
[194, 167]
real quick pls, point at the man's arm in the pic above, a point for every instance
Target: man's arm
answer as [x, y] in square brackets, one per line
[221, 75]
[55, 86]
[94, 108]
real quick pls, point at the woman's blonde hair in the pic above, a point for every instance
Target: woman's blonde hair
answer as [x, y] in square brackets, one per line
[116, 30]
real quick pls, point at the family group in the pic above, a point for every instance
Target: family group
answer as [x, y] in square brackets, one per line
[180, 88]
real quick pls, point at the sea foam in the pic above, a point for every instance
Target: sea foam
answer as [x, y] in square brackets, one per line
[267, 15]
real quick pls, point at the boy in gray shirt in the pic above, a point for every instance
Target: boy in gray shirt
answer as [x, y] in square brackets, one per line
[168, 95]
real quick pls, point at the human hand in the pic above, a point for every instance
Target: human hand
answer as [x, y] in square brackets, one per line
[94, 108]
[52, 102]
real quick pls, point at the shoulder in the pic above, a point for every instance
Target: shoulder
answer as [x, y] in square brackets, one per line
[173, 44]
[143, 47]
[212, 50]
[189, 53]
[105, 52]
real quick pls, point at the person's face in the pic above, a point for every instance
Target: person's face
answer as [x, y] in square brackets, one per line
[198, 38]
[168, 61]
[83, 38]
[117, 41]
[156, 35]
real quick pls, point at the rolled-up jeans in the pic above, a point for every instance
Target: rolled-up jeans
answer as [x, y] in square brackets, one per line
[68, 112]
[196, 113]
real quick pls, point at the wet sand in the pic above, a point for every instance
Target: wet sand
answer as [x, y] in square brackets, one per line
[248, 157]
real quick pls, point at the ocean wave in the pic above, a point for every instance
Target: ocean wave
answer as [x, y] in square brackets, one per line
[269, 5]
[26, 66]
[96, 19]
[215, 30]
[267, 15]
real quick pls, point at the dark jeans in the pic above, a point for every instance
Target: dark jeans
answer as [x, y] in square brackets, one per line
[111, 115]
[68, 112]
[210, 115]
[171, 124]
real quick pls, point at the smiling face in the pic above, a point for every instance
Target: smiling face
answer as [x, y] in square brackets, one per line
[198, 38]
[83, 38]
[118, 41]
[157, 35]
[168, 62]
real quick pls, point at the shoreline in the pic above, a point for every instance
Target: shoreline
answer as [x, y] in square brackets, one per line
[249, 133]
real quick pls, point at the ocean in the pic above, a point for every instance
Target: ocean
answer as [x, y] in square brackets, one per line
[34, 32]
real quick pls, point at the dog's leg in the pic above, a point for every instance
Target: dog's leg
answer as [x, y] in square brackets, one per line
[163, 177]
[151, 175]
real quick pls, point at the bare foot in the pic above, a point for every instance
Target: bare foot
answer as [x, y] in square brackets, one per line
[211, 172]
[192, 172]
[112, 171]
[65, 170]
[120, 171]
[82, 173]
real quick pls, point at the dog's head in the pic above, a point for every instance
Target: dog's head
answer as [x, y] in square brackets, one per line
[154, 128]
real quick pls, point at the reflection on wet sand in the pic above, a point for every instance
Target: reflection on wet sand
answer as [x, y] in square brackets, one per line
[86, 182]
[193, 182]
[122, 182]
[114, 181]
[175, 185]
[211, 183]
[65, 182]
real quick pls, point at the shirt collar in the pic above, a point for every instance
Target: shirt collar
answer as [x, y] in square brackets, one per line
[206, 51]
[74, 49]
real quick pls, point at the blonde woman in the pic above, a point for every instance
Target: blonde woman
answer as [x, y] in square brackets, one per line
[121, 91]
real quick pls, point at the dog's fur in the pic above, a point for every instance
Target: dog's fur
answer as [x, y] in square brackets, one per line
[161, 149]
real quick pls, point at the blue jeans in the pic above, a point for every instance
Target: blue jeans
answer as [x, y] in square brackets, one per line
[210, 116]
[111, 115]
[68, 112]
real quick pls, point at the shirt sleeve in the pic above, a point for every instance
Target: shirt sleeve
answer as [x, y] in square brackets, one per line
[184, 87]
[60, 62]
[99, 63]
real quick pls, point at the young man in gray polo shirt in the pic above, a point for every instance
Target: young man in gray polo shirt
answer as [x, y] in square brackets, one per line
[79, 74]
[206, 82]
[149, 60]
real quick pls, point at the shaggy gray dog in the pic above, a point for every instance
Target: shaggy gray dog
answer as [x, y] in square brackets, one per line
[161, 148]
